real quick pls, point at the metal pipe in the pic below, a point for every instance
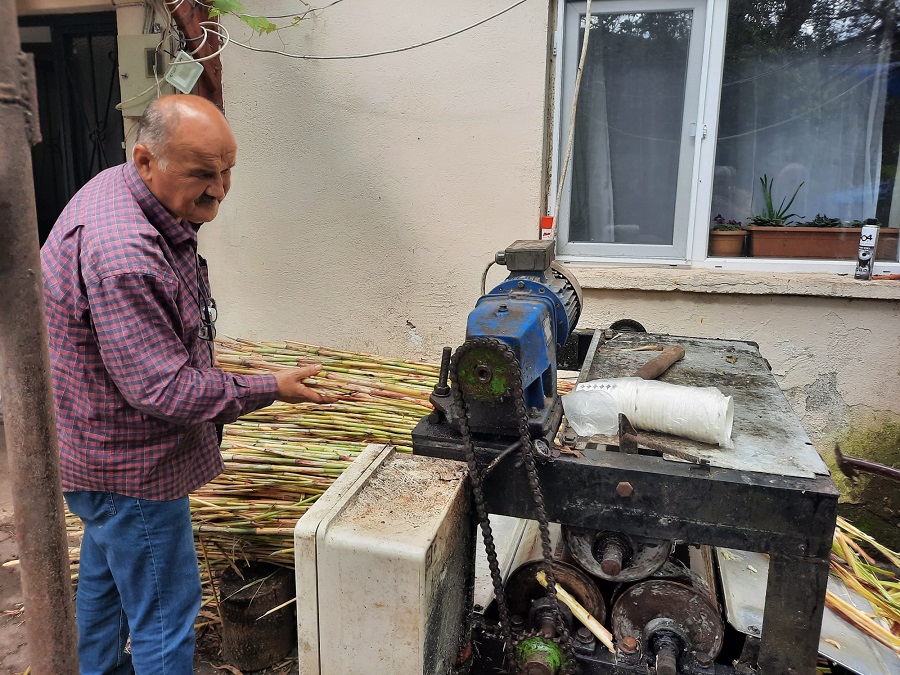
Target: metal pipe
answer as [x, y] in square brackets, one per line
[25, 380]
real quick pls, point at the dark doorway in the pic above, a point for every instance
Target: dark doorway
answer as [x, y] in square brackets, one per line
[76, 63]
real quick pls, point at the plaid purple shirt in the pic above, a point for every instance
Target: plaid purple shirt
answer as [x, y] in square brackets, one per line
[136, 394]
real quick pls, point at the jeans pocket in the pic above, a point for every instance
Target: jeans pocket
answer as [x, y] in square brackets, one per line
[91, 506]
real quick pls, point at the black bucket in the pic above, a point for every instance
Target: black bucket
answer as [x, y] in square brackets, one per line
[248, 641]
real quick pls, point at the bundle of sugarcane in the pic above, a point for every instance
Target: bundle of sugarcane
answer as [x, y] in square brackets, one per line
[859, 570]
[278, 460]
[349, 376]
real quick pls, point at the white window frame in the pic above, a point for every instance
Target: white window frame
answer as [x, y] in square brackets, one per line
[704, 161]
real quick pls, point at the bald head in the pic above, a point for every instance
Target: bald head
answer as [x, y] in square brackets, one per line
[163, 116]
[184, 153]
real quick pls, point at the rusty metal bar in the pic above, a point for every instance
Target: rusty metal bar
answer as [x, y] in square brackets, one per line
[25, 377]
[850, 465]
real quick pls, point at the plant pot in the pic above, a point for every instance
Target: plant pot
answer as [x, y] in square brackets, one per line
[726, 243]
[823, 243]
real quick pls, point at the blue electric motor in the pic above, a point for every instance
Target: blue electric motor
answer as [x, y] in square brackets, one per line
[533, 312]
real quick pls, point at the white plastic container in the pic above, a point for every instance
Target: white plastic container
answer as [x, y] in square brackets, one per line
[700, 413]
[382, 561]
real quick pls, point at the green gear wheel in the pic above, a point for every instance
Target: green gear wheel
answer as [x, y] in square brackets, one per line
[484, 374]
[542, 649]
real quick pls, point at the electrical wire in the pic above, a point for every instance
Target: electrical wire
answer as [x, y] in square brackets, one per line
[312, 57]
[226, 39]
[121, 104]
[174, 5]
[202, 42]
[308, 11]
[571, 139]
[484, 276]
[295, 15]
[170, 5]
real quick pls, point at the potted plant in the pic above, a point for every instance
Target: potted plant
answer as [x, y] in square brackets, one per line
[771, 216]
[774, 234]
[823, 238]
[726, 239]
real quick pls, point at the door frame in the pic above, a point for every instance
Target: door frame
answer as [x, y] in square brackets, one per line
[62, 27]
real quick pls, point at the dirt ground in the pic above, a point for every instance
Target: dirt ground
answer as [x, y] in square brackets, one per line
[14, 659]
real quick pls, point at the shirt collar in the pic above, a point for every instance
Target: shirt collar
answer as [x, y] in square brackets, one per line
[174, 230]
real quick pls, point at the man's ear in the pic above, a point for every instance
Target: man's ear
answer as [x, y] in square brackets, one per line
[143, 159]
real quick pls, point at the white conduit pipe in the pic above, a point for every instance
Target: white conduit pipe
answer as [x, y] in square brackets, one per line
[700, 413]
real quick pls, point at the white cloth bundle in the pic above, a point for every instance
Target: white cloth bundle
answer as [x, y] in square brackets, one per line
[700, 413]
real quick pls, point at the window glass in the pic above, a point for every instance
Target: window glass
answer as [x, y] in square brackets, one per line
[628, 130]
[809, 111]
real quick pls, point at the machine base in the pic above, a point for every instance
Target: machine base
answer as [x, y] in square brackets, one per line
[434, 436]
[598, 661]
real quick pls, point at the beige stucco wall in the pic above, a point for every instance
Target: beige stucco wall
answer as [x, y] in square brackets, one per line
[370, 193]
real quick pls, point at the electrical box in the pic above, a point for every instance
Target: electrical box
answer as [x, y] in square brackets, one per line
[383, 562]
[142, 70]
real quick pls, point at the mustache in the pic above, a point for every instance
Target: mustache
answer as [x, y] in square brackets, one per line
[205, 199]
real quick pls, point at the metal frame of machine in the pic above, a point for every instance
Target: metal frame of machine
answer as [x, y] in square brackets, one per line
[610, 486]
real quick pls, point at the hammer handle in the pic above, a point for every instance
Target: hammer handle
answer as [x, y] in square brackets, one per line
[660, 364]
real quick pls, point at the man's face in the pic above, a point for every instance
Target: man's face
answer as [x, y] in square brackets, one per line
[195, 173]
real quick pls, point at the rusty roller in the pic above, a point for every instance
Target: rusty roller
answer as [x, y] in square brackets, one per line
[523, 589]
[615, 556]
[674, 622]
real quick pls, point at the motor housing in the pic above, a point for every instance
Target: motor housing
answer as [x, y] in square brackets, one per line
[533, 311]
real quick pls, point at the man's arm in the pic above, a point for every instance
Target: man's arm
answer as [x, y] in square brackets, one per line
[134, 317]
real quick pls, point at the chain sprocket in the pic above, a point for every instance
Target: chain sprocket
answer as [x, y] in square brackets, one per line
[515, 390]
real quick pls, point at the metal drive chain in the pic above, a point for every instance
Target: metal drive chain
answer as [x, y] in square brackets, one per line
[475, 476]
[461, 411]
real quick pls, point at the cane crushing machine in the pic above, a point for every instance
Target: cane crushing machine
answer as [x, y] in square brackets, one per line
[630, 524]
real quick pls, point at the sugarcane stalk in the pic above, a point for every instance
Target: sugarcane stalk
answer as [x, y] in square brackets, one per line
[862, 621]
[585, 617]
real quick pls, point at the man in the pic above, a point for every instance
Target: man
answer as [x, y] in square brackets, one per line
[131, 324]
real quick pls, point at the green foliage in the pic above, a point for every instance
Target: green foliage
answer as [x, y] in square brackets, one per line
[760, 27]
[821, 220]
[259, 24]
[225, 7]
[722, 225]
[771, 216]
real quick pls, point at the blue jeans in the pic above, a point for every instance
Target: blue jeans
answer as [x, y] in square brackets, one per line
[138, 575]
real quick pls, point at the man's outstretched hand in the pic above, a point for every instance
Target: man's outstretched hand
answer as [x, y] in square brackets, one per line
[292, 390]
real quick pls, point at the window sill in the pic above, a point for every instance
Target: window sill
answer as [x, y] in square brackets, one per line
[651, 278]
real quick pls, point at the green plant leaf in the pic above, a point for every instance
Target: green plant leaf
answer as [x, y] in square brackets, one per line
[770, 215]
[259, 24]
[226, 7]
[793, 197]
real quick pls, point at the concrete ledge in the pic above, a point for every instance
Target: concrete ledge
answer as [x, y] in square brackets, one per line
[649, 278]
